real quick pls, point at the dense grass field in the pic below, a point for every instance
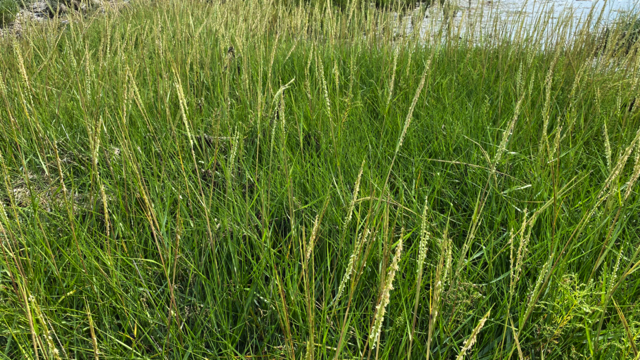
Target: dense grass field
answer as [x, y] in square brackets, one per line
[255, 179]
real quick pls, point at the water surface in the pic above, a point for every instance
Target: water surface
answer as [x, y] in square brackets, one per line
[481, 16]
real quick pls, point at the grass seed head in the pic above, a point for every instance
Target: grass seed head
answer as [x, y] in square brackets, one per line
[393, 74]
[312, 239]
[407, 121]
[607, 145]
[472, 339]
[502, 148]
[356, 188]
[381, 308]
[424, 239]
[351, 265]
[634, 175]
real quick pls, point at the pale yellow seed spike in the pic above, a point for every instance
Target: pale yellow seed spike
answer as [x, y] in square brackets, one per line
[544, 141]
[325, 89]
[502, 148]
[407, 121]
[393, 74]
[350, 267]
[635, 174]
[183, 106]
[424, 238]
[472, 339]
[607, 146]
[381, 308]
[355, 196]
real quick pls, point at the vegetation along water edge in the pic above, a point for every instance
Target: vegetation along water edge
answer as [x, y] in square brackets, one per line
[300, 180]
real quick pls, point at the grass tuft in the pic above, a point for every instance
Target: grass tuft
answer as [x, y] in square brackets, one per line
[199, 180]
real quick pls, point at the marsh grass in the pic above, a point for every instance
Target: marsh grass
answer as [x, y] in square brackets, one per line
[8, 11]
[192, 179]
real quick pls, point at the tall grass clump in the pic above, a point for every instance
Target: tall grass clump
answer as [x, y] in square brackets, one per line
[259, 179]
[8, 11]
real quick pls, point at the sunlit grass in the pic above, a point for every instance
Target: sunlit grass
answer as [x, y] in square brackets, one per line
[187, 179]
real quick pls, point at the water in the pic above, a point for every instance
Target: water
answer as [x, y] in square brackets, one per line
[480, 16]
[578, 9]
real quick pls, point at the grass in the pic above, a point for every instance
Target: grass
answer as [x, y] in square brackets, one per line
[8, 11]
[403, 5]
[620, 39]
[198, 180]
